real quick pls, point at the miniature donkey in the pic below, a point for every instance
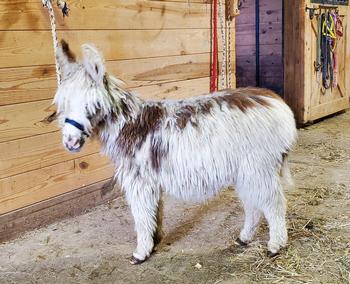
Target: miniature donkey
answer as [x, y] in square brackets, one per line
[188, 148]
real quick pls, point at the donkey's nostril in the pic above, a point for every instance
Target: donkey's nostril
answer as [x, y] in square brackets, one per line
[76, 143]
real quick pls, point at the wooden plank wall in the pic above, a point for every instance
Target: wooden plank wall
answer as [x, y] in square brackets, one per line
[271, 60]
[159, 48]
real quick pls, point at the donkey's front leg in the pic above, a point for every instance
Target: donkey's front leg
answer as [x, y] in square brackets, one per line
[144, 200]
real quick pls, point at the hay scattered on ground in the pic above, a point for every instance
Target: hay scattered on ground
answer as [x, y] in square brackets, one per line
[312, 250]
[317, 246]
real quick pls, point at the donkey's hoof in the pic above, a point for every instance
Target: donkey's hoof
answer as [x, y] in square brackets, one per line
[272, 254]
[241, 243]
[134, 261]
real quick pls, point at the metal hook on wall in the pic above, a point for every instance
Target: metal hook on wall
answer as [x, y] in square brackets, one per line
[311, 11]
[318, 11]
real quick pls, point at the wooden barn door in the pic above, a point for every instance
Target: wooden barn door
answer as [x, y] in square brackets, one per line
[323, 102]
[303, 89]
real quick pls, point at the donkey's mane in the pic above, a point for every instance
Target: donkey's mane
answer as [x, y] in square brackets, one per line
[117, 99]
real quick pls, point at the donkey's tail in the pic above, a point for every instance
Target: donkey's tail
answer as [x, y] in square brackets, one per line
[286, 177]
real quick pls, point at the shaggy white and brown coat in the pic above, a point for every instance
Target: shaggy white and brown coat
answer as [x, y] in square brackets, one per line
[188, 148]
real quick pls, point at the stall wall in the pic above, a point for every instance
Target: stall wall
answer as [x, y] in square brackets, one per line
[270, 73]
[159, 48]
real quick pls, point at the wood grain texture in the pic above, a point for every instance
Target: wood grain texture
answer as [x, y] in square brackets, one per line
[31, 187]
[111, 14]
[26, 84]
[249, 50]
[175, 90]
[115, 45]
[24, 120]
[270, 45]
[325, 109]
[266, 16]
[22, 155]
[269, 34]
[293, 57]
[14, 223]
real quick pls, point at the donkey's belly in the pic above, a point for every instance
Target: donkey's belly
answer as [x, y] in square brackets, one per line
[194, 186]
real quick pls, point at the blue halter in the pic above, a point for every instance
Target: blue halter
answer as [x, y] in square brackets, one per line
[76, 125]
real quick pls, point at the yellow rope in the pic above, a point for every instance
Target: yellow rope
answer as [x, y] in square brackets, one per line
[331, 30]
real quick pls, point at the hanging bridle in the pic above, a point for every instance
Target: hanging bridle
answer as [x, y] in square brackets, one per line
[329, 30]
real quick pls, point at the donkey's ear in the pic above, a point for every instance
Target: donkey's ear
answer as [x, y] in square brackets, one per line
[66, 59]
[93, 62]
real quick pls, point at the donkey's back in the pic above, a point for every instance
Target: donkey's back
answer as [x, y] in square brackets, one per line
[230, 138]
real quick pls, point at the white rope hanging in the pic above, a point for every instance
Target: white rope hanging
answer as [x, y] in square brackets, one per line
[228, 54]
[63, 6]
[225, 28]
[224, 48]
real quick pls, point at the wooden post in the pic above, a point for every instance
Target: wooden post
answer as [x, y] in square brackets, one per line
[294, 22]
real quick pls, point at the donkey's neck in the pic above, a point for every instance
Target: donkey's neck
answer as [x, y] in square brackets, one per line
[125, 107]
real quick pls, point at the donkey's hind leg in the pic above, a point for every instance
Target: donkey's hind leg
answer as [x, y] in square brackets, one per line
[251, 222]
[263, 194]
[275, 213]
[143, 200]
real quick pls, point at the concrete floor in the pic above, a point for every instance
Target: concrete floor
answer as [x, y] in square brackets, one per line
[199, 244]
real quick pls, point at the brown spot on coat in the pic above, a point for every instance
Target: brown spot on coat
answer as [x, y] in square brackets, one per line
[184, 115]
[134, 133]
[65, 48]
[158, 153]
[238, 100]
[124, 108]
[205, 107]
[245, 98]
[259, 92]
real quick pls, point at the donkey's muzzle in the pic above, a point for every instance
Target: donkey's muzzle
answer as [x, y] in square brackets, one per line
[74, 145]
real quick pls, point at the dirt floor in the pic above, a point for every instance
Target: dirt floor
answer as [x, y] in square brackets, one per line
[199, 245]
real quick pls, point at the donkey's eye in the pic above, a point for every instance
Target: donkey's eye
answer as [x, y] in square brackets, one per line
[88, 114]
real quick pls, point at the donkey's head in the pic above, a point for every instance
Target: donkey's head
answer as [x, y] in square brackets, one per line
[81, 98]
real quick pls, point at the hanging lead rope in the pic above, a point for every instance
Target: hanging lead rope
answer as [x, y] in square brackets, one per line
[327, 48]
[229, 19]
[63, 6]
[214, 51]
[318, 62]
[339, 33]
[225, 28]
[228, 54]
[224, 42]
